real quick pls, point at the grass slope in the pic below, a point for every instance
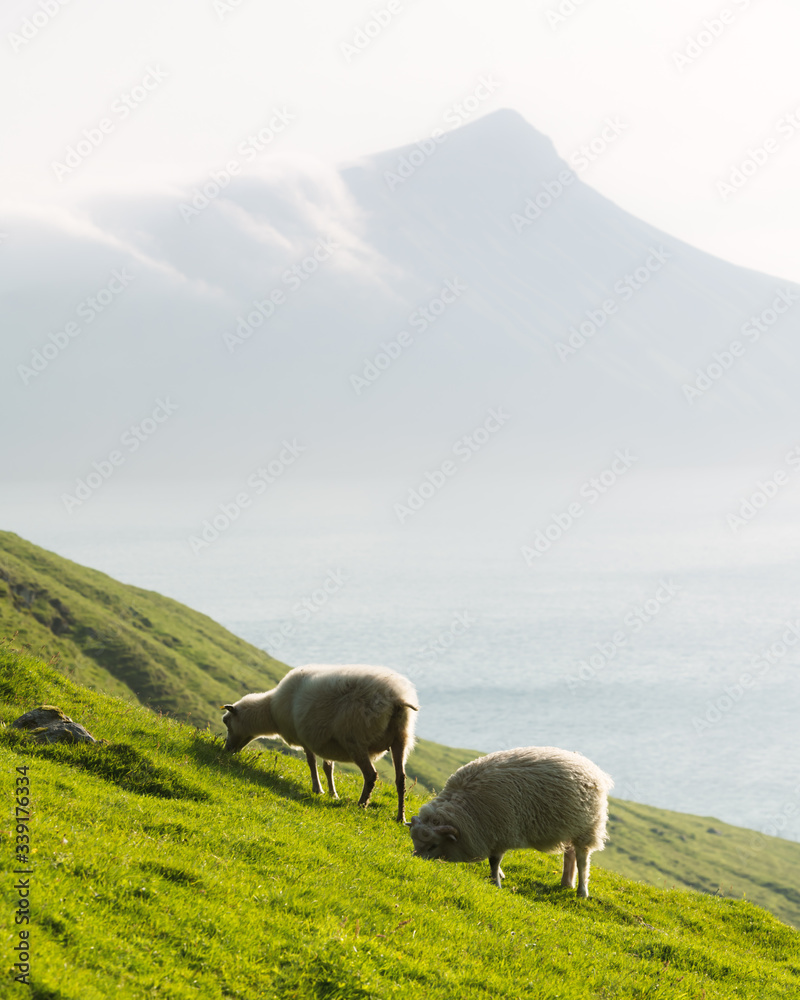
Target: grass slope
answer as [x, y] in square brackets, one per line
[140, 645]
[667, 848]
[125, 640]
[131, 642]
[164, 868]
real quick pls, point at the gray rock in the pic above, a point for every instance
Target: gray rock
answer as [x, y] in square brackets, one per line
[48, 724]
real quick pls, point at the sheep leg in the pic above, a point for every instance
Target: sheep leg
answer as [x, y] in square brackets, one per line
[495, 869]
[327, 767]
[582, 854]
[398, 753]
[370, 777]
[568, 875]
[316, 787]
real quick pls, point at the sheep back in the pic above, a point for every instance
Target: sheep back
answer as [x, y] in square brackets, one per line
[530, 797]
[336, 711]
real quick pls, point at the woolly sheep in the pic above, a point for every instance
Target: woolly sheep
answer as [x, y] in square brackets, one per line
[541, 797]
[352, 714]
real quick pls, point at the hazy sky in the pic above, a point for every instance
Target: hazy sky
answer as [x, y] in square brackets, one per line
[696, 89]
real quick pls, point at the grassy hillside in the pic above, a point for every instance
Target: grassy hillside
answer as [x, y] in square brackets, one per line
[125, 640]
[135, 643]
[668, 849]
[164, 868]
[148, 648]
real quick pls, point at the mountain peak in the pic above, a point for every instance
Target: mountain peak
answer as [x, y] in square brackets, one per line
[504, 121]
[500, 148]
[508, 132]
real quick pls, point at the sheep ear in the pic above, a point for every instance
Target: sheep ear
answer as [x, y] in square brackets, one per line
[414, 821]
[230, 708]
[447, 831]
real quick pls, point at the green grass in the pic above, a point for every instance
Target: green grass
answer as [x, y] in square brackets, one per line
[125, 640]
[668, 849]
[198, 874]
[152, 650]
[135, 643]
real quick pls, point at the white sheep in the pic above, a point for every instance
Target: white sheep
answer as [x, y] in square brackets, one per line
[541, 797]
[352, 714]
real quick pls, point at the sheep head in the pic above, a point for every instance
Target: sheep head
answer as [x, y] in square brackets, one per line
[432, 839]
[236, 739]
[246, 720]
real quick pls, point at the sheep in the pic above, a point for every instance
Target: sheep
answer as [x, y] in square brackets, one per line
[352, 714]
[540, 797]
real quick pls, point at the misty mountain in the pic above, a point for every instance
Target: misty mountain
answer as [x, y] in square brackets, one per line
[377, 315]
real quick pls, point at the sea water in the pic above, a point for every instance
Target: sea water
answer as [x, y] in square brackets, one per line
[653, 645]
